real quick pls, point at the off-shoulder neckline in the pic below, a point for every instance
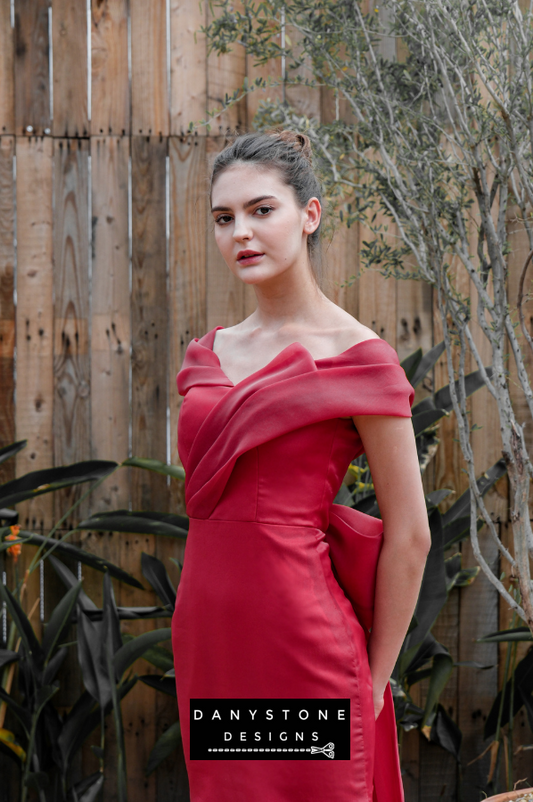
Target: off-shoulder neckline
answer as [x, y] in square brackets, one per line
[283, 350]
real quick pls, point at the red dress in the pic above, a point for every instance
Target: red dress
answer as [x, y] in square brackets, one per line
[260, 613]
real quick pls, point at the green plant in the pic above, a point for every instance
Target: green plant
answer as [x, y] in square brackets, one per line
[47, 741]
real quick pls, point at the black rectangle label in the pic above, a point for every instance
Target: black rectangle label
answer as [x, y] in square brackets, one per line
[270, 729]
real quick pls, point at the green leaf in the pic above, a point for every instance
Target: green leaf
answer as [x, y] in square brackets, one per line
[155, 572]
[424, 420]
[507, 636]
[85, 557]
[169, 741]
[135, 648]
[434, 499]
[461, 508]
[38, 780]
[91, 659]
[50, 479]
[164, 684]
[411, 362]
[70, 581]
[157, 466]
[23, 626]
[59, 620]
[446, 733]
[10, 450]
[426, 363]
[440, 674]
[163, 524]
[7, 656]
[20, 712]
[523, 681]
[87, 790]
[158, 656]
[473, 382]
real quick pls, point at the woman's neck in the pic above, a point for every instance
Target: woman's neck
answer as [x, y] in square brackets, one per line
[292, 298]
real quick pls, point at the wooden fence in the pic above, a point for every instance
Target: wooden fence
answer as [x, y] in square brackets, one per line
[108, 268]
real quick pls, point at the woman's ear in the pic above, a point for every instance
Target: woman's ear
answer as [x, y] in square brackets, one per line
[313, 212]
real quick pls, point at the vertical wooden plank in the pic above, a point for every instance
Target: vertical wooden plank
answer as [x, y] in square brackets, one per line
[149, 319]
[110, 316]
[519, 243]
[438, 768]
[188, 65]
[225, 74]
[377, 301]
[269, 71]
[341, 267]
[149, 80]
[110, 91]
[7, 73]
[414, 318]
[479, 602]
[72, 438]
[187, 268]
[7, 304]
[69, 38]
[304, 99]
[34, 318]
[225, 292]
[32, 68]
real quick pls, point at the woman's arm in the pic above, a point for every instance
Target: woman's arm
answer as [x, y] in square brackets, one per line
[390, 448]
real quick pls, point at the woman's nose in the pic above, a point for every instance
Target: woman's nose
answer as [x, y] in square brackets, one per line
[241, 229]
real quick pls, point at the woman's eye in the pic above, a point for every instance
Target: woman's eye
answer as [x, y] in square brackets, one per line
[222, 219]
[268, 209]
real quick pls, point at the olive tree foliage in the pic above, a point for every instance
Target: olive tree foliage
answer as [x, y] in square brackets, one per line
[440, 143]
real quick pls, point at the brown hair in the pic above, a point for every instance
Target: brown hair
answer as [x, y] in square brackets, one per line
[288, 152]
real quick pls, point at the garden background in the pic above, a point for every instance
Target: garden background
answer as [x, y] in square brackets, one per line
[108, 268]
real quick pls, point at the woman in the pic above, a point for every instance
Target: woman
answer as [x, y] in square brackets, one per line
[275, 409]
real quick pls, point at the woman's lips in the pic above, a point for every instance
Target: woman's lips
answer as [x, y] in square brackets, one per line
[251, 260]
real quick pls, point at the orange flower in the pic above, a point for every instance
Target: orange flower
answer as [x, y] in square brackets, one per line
[15, 550]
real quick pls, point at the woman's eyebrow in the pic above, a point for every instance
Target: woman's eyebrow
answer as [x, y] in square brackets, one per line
[246, 205]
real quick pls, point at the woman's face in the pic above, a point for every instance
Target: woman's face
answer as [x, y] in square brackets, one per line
[255, 211]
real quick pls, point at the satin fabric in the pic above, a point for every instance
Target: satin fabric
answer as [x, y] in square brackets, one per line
[276, 594]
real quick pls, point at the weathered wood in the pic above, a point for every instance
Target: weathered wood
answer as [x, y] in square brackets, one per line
[479, 601]
[377, 302]
[414, 318]
[225, 292]
[187, 270]
[34, 318]
[7, 73]
[149, 319]
[340, 258]
[225, 74]
[149, 79]
[110, 94]
[188, 73]
[32, 68]
[7, 304]
[69, 37]
[110, 317]
[72, 433]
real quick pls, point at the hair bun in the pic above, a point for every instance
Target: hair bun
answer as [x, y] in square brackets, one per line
[300, 142]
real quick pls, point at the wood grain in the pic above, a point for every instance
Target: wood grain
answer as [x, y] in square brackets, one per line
[7, 72]
[225, 74]
[149, 79]
[187, 270]
[188, 72]
[32, 68]
[72, 432]
[34, 318]
[149, 319]
[69, 38]
[7, 302]
[225, 292]
[110, 91]
[110, 317]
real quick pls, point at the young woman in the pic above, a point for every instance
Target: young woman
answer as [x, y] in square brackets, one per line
[273, 602]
